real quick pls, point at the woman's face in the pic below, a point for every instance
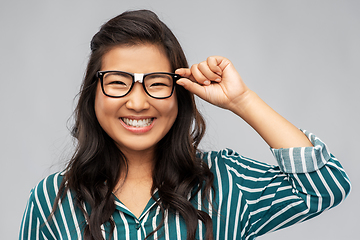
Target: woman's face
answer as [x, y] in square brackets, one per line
[118, 115]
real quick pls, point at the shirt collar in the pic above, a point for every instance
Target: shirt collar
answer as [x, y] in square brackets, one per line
[152, 202]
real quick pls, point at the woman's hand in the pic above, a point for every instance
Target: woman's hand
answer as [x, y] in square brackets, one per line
[217, 81]
[214, 80]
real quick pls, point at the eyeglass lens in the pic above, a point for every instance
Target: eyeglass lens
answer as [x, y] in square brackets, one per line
[158, 85]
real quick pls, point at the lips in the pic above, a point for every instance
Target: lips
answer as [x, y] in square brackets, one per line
[137, 126]
[138, 123]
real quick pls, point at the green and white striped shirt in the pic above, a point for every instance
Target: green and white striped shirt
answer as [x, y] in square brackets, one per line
[252, 198]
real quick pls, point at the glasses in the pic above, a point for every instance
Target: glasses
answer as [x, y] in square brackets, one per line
[118, 84]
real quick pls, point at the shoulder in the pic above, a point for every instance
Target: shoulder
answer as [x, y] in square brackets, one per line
[44, 193]
[231, 158]
[50, 184]
[42, 198]
[228, 160]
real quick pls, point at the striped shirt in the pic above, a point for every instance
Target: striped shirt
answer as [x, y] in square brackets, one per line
[251, 199]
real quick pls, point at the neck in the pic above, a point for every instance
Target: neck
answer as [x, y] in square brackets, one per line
[140, 165]
[139, 171]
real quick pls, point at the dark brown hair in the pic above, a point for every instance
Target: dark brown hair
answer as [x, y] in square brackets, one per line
[97, 159]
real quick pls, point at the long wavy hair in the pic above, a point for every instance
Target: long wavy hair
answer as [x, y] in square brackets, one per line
[177, 175]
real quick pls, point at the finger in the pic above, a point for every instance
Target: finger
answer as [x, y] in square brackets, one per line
[213, 63]
[198, 75]
[185, 73]
[208, 73]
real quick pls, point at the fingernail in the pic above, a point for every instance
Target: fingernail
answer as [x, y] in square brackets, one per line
[207, 82]
[180, 83]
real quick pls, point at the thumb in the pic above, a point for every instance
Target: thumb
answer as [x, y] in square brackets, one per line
[191, 86]
[185, 73]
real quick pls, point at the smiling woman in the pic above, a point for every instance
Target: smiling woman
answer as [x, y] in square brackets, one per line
[137, 172]
[117, 115]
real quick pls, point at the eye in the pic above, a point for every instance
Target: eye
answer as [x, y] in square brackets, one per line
[155, 84]
[158, 81]
[116, 83]
[117, 79]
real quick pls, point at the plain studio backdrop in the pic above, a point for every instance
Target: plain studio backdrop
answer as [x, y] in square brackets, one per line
[301, 57]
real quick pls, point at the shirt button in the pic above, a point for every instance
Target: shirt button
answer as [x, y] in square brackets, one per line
[137, 226]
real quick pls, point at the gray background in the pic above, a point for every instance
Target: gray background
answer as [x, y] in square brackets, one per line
[301, 57]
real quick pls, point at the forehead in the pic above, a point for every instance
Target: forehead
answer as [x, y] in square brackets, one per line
[141, 58]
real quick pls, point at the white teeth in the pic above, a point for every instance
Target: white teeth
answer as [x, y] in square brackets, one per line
[137, 123]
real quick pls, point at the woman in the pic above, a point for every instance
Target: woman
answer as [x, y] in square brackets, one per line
[137, 172]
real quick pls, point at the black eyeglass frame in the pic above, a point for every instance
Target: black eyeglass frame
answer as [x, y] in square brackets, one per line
[100, 75]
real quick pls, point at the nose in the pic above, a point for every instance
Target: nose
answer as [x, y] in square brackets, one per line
[137, 99]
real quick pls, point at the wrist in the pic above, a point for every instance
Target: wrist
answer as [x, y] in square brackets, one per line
[246, 101]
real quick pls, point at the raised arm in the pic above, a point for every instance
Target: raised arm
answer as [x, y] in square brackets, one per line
[262, 198]
[217, 82]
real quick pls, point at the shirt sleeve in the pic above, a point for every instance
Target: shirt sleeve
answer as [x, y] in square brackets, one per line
[316, 178]
[257, 198]
[29, 228]
[36, 222]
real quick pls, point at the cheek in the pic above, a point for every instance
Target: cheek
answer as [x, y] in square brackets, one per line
[174, 111]
[171, 109]
[99, 104]
[104, 106]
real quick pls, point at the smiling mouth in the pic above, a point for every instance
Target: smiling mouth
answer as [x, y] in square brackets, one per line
[137, 123]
